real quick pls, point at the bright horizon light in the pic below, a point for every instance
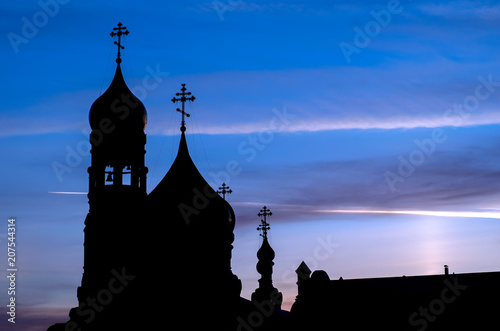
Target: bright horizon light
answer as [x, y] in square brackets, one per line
[440, 213]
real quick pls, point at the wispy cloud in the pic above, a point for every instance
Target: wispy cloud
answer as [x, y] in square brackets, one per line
[468, 10]
[321, 100]
[440, 213]
[312, 209]
[330, 124]
[68, 193]
[458, 180]
[247, 6]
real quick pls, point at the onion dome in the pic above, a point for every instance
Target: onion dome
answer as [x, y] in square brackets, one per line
[183, 194]
[184, 197]
[117, 109]
[266, 255]
[265, 251]
[193, 229]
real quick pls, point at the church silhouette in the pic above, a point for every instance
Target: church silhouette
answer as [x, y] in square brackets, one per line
[163, 260]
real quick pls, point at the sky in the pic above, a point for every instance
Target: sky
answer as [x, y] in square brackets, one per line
[370, 129]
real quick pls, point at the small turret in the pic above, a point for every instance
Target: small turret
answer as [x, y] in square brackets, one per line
[266, 290]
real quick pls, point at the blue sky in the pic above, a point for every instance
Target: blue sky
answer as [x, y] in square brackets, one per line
[381, 161]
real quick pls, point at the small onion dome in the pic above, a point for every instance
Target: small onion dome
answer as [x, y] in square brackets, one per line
[265, 255]
[118, 108]
[265, 252]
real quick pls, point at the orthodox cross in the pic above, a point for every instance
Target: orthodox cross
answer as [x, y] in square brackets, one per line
[264, 226]
[183, 100]
[224, 189]
[120, 33]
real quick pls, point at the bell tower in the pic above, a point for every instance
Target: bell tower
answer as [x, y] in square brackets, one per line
[117, 119]
[117, 193]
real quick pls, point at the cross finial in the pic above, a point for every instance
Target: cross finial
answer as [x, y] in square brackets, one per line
[183, 100]
[264, 226]
[224, 189]
[120, 33]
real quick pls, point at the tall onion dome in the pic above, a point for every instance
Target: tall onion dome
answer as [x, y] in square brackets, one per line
[195, 230]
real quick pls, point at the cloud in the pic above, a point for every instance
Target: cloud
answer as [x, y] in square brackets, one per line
[339, 99]
[251, 7]
[330, 98]
[68, 193]
[65, 111]
[455, 214]
[463, 10]
[459, 179]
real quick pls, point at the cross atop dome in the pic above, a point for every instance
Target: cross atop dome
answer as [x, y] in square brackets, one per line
[120, 33]
[224, 189]
[183, 100]
[264, 226]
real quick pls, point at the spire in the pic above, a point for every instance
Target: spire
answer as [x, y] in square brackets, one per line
[183, 100]
[120, 33]
[265, 254]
